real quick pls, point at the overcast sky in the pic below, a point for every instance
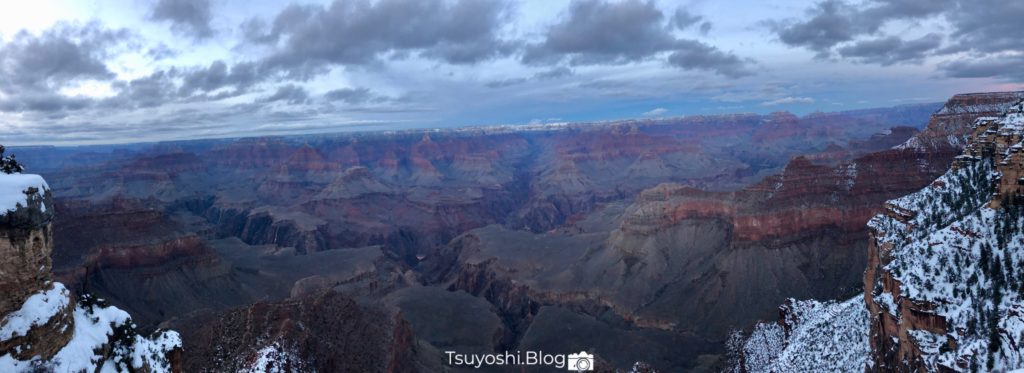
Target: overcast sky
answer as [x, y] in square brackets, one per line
[109, 71]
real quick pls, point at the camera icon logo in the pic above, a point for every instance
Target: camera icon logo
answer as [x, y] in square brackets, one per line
[581, 362]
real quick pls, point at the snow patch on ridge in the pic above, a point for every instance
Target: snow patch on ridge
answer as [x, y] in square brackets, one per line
[95, 327]
[13, 188]
[37, 310]
[823, 337]
[275, 358]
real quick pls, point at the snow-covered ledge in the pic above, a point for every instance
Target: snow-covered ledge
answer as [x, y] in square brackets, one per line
[16, 189]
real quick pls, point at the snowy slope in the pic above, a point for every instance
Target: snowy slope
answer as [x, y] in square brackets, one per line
[952, 258]
[965, 260]
[824, 337]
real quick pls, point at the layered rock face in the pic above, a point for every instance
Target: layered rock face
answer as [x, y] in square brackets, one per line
[949, 128]
[133, 253]
[42, 326]
[26, 238]
[25, 243]
[943, 284]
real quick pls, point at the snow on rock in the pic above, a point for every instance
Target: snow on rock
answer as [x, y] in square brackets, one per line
[952, 294]
[37, 310]
[847, 175]
[968, 260]
[947, 125]
[822, 337]
[151, 351]
[13, 188]
[956, 259]
[275, 358]
[912, 143]
[103, 338]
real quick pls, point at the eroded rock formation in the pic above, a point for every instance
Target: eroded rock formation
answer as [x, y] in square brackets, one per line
[43, 326]
[943, 287]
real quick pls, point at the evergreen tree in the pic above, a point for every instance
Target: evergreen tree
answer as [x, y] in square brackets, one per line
[1008, 266]
[983, 261]
[8, 164]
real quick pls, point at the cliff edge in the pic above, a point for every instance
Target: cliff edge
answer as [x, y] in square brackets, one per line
[944, 285]
[43, 327]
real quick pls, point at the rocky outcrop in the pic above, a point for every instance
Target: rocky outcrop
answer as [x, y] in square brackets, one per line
[917, 285]
[927, 321]
[324, 332]
[42, 326]
[948, 129]
[809, 336]
[26, 240]
[942, 289]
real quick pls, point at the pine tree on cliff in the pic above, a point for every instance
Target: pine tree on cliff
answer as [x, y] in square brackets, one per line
[8, 164]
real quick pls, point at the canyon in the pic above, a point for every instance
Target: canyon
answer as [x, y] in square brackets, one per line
[643, 240]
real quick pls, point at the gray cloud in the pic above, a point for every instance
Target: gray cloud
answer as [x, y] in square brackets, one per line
[310, 37]
[161, 51]
[555, 73]
[216, 76]
[1002, 67]
[189, 17]
[694, 55]
[154, 90]
[600, 32]
[987, 26]
[505, 82]
[683, 19]
[256, 30]
[34, 68]
[832, 22]
[350, 95]
[596, 32]
[705, 27]
[890, 50]
[289, 93]
[887, 10]
[987, 30]
[52, 104]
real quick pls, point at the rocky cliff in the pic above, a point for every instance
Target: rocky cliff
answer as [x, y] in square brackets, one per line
[943, 284]
[943, 287]
[43, 326]
[949, 128]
